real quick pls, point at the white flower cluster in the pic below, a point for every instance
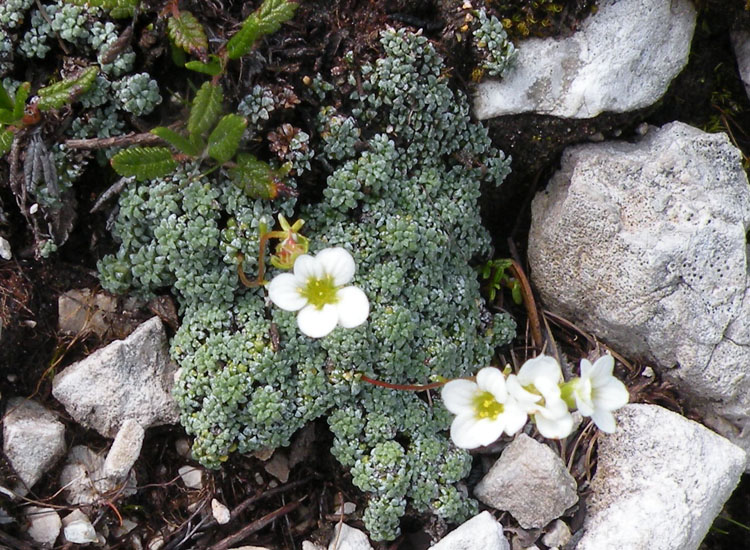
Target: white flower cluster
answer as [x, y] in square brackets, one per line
[495, 404]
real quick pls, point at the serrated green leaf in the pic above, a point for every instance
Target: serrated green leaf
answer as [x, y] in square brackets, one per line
[5, 100]
[22, 94]
[225, 138]
[66, 91]
[178, 141]
[187, 33]
[212, 68]
[116, 8]
[272, 13]
[206, 108]
[265, 20]
[7, 117]
[6, 140]
[255, 177]
[144, 162]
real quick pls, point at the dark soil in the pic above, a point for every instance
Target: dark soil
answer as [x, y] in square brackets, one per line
[708, 94]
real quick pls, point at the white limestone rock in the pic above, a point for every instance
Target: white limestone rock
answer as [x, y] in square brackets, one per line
[741, 45]
[33, 440]
[220, 512]
[481, 531]
[530, 481]
[5, 251]
[44, 525]
[77, 528]
[660, 482]
[348, 538]
[85, 480]
[644, 244]
[124, 451]
[557, 535]
[621, 59]
[128, 379]
[191, 476]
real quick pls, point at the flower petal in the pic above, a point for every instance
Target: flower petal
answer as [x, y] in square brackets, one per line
[604, 420]
[458, 396]
[525, 399]
[337, 262]
[611, 396]
[468, 432]
[554, 428]
[515, 417]
[602, 370]
[307, 267]
[283, 290]
[492, 380]
[353, 306]
[315, 322]
[542, 366]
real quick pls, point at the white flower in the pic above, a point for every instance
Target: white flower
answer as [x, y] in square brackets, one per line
[597, 392]
[537, 389]
[483, 409]
[316, 289]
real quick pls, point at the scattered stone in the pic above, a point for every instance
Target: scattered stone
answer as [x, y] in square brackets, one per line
[660, 482]
[348, 538]
[191, 476]
[302, 445]
[82, 312]
[77, 528]
[44, 525]
[530, 481]
[249, 548]
[741, 45]
[220, 512]
[621, 59]
[126, 527]
[33, 440]
[558, 534]
[182, 446]
[481, 531]
[670, 213]
[278, 466]
[5, 251]
[128, 379]
[263, 454]
[124, 451]
[346, 508]
[84, 479]
[307, 545]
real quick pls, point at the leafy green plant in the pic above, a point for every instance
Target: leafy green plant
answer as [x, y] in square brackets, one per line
[187, 34]
[496, 273]
[15, 113]
[118, 9]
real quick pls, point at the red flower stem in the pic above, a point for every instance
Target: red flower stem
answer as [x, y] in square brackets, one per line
[404, 387]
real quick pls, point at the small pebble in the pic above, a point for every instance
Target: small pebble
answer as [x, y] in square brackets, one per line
[5, 252]
[191, 476]
[182, 446]
[77, 528]
[220, 512]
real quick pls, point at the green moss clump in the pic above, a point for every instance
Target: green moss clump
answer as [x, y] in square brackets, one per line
[404, 203]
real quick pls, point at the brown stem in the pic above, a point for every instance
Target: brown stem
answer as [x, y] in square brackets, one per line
[117, 141]
[404, 387]
[257, 525]
[528, 300]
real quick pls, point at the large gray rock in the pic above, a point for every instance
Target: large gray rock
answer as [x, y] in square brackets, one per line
[644, 244]
[660, 482]
[33, 440]
[128, 379]
[530, 481]
[741, 46]
[622, 58]
[482, 531]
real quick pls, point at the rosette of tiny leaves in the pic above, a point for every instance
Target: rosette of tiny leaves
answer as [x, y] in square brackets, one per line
[12, 12]
[492, 42]
[249, 379]
[257, 106]
[101, 38]
[340, 134]
[137, 94]
[6, 53]
[34, 42]
[70, 22]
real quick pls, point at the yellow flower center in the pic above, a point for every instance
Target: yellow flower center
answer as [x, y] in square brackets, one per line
[486, 406]
[320, 292]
